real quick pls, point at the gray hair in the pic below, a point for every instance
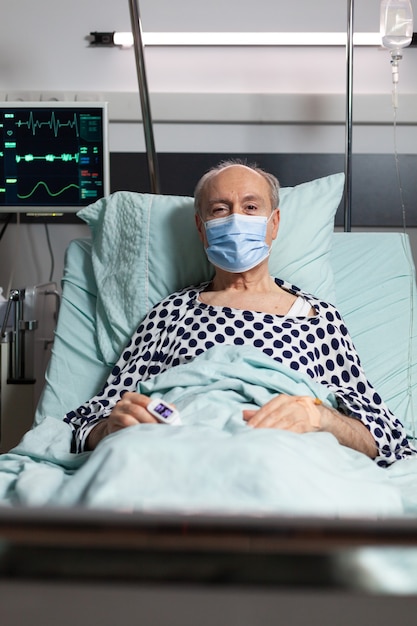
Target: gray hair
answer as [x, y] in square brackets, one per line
[201, 185]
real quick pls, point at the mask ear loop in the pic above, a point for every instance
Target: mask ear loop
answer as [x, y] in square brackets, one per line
[267, 222]
[272, 213]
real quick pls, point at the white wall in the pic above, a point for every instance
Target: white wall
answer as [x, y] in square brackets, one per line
[203, 99]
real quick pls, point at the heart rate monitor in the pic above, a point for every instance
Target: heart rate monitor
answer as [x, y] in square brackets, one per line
[164, 412]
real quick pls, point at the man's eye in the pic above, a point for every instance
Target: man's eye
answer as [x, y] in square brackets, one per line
[251, 208]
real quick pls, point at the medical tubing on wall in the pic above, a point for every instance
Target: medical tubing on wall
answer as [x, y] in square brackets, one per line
[51, 252]
[16, 254]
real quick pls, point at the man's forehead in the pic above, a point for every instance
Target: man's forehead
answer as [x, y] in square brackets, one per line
[237, 168]
[239, 174]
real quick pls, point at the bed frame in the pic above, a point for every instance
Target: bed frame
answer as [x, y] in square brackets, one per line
[186, 570]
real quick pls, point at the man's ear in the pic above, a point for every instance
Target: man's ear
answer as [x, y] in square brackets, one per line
[200, 227]
[276, 217]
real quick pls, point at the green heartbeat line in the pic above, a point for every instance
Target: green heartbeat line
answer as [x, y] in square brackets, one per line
[54, 124]
[48, 157]
[53, 195]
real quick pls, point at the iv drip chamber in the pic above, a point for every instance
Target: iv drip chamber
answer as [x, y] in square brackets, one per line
[396, 23]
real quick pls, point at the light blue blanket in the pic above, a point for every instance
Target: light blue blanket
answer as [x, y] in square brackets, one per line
[214, 462]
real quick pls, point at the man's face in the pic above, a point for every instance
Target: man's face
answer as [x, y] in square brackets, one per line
[237, 189]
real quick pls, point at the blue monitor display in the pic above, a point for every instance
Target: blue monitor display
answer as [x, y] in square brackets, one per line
[53, 156]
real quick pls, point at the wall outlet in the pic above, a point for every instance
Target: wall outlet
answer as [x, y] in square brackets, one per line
[23, 96]
[88, 96]
[56, 96]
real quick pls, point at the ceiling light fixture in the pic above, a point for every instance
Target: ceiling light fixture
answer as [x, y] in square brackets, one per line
[125, 39]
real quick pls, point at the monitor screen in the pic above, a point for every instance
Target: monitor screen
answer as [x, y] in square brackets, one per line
[53, 156]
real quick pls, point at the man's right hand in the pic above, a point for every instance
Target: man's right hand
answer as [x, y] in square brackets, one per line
[130, 410]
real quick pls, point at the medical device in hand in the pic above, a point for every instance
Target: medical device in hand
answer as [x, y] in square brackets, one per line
[164, 412]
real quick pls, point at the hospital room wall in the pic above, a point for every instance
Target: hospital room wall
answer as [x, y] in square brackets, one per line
[288, 100]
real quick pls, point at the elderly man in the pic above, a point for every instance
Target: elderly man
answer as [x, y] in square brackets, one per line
[237, 217]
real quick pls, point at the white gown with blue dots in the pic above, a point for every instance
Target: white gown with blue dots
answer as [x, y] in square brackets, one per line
[181, 327]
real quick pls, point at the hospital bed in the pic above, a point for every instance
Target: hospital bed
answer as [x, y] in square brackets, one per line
[225, 551]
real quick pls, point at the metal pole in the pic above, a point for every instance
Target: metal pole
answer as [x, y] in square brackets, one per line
[144, 96]
[348, 129]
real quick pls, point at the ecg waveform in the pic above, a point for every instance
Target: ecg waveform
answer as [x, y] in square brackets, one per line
[41, 183]
[66, 157]
[54, 124]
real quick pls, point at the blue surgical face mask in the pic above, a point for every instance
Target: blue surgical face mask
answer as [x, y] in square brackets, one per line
[236, 243]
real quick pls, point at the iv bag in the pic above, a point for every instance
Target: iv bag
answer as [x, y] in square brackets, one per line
[396, 23]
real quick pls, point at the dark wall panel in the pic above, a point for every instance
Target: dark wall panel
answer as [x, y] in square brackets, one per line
[376, 199]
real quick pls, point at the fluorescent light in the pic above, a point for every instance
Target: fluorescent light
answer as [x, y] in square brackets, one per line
[125, 39]
[257, 39]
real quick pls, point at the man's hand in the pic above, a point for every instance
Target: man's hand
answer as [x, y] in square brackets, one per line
[301, 414]
[130, 410]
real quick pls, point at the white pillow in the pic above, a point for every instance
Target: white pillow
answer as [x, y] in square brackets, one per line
[146, 246]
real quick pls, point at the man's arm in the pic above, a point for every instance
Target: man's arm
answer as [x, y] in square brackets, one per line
[349, 431]
[302, 414]
[96, 434]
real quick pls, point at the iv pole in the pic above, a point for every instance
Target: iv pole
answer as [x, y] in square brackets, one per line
[144, 96]
[348, 130]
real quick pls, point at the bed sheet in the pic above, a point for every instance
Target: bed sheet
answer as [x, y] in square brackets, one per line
[75, 371]
[376, 293]
[214, 463]
[234, 470]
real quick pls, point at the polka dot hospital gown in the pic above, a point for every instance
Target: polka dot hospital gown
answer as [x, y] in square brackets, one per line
[181, 327]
